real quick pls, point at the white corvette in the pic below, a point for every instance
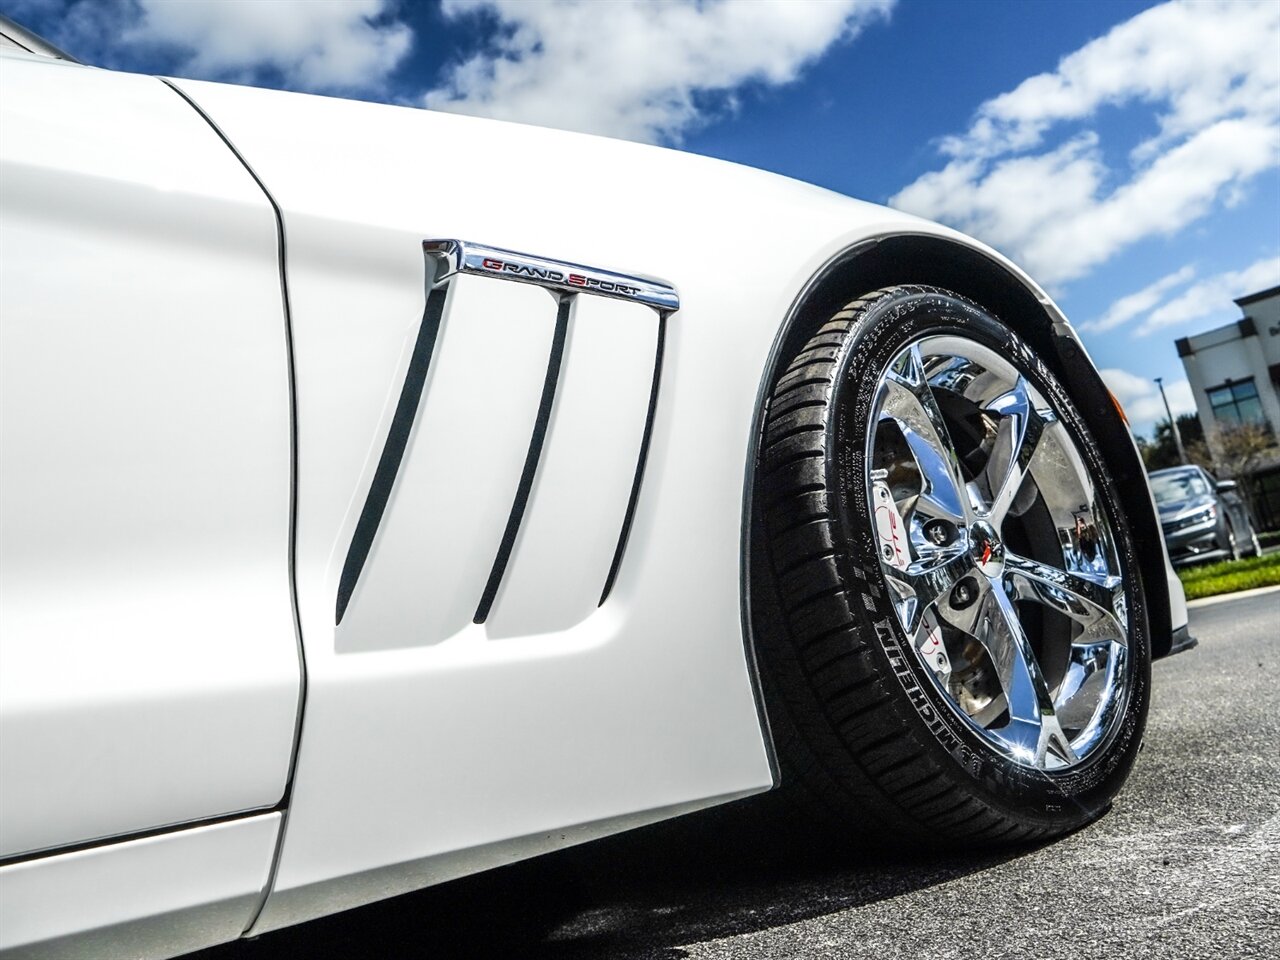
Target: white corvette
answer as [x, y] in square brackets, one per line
[372, 516]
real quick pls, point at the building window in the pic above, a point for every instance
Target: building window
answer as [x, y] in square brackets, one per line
[1236, 403]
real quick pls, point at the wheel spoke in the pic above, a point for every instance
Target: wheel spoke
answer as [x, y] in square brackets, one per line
[909, 400]
[1018, 440]
[925, 584]
[1033, 729]
[1089, 602]
[1029, 645]
[1077, 697]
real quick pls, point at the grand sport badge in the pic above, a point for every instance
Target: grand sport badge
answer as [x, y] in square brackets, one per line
[458, 256]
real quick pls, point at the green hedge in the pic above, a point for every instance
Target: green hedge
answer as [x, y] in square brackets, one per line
[1230, 576]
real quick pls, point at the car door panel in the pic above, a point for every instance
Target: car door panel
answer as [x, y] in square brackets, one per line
[150, 664]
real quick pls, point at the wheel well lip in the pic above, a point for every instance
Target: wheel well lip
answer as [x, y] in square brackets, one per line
[802, 295]
[1073, 357]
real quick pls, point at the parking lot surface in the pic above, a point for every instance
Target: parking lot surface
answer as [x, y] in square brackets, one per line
[1186, 864]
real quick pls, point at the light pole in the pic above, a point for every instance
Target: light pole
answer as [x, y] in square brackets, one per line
[1173, 424]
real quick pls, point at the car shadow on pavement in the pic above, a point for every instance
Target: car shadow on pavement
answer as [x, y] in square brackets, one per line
[638, 896]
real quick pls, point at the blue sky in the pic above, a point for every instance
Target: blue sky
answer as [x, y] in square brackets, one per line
[1126, 152]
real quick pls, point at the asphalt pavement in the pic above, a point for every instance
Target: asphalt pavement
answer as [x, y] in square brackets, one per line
[1185, 865]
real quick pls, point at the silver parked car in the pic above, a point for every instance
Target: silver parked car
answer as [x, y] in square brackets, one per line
[1203, 518]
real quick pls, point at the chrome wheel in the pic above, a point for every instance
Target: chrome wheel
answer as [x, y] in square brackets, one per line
[999, 555]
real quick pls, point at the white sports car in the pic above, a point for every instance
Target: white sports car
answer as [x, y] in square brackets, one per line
[372, 516]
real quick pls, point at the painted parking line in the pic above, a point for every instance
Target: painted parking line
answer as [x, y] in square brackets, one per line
[1238, 595]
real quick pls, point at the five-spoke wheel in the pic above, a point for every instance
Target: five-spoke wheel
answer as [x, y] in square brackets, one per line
[950, 516]
[946, 599]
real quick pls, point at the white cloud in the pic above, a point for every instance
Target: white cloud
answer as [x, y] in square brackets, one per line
[635, 69]
[1135, 304]
[1210, 73]
[1140, 397]
[1213, 296]
[1204, 61]
[324, 45]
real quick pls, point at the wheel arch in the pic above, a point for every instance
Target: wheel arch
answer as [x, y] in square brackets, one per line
[940, 261]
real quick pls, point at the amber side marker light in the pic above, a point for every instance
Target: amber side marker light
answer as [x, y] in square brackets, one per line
[1119, 409]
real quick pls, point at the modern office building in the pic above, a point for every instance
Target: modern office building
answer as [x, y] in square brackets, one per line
[1234, 372]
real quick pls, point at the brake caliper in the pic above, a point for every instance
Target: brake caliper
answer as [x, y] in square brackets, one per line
[895, 550]
[890, 527]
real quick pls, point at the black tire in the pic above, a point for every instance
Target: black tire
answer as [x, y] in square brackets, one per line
[1232, 546]
[1255, 545]
[866, 746]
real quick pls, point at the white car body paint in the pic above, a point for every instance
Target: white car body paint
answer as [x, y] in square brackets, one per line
[150, 664]
[644, 705]
[432, 746]
[202, 884]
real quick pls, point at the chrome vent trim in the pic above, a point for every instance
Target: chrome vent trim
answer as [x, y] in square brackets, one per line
[460, 256]
[446, 259]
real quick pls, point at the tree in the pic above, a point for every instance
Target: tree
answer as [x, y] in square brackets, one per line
[1161, 451]
[1241, 449]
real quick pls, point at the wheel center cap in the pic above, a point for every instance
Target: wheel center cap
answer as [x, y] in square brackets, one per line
[986, 549]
